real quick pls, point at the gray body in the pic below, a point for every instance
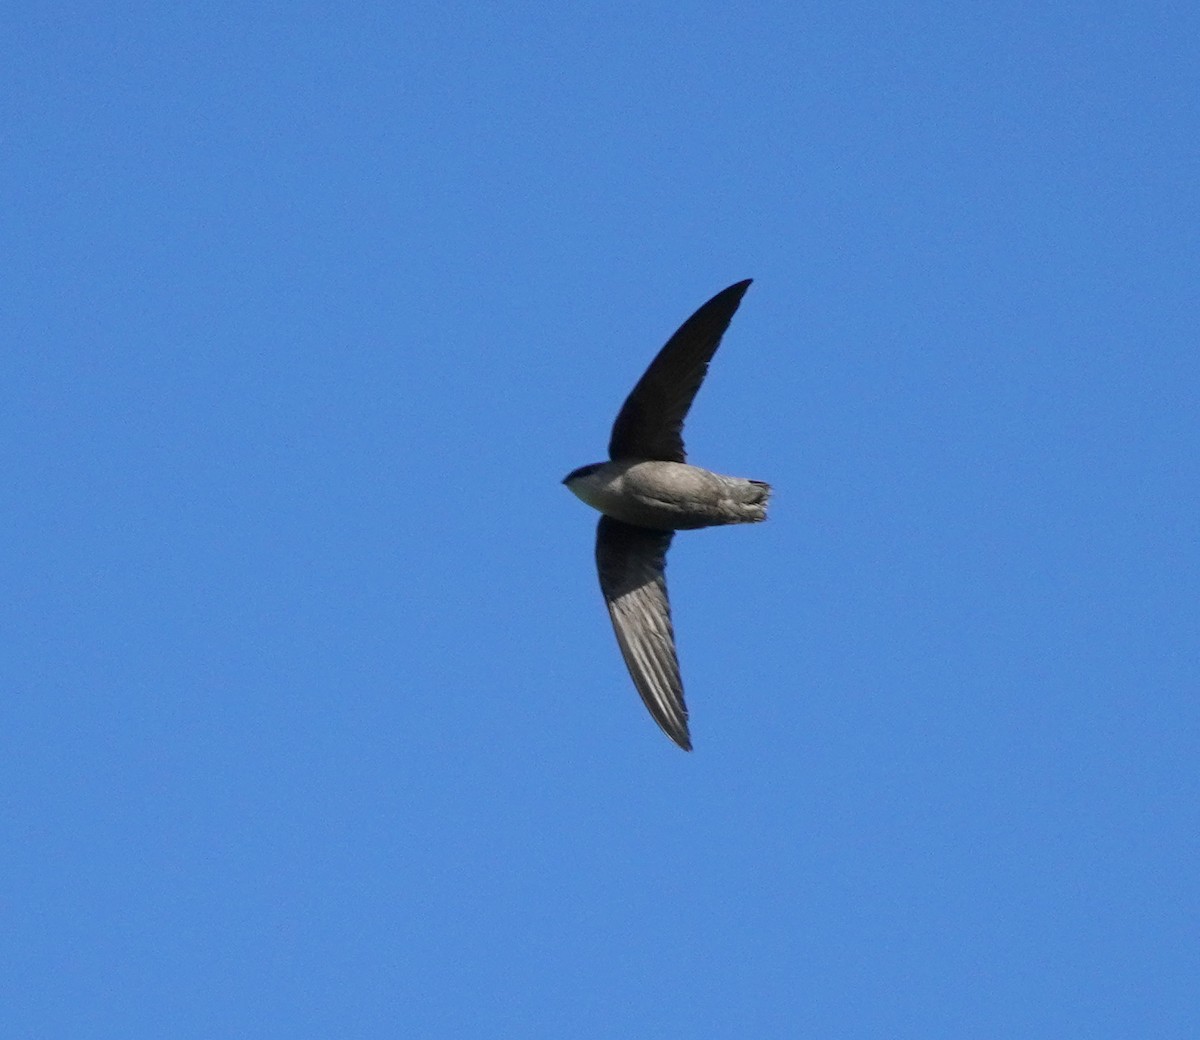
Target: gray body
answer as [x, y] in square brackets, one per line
[671, 496]
[647, 492]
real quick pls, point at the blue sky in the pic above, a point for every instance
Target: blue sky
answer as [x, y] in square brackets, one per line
[312, 720]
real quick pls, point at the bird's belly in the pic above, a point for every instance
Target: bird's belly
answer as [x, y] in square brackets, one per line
[668, 496]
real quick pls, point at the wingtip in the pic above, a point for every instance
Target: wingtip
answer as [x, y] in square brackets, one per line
[680, 738]
[735, 292]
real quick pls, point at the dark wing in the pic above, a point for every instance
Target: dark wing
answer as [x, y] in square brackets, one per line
[650, 423]
[631, 561]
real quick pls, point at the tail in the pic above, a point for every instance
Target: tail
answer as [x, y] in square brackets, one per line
[756, 499]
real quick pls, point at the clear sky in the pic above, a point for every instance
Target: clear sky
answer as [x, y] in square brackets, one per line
[312, 723]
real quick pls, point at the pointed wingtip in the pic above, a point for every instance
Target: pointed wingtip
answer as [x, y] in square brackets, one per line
[738, 289]
[733, 294]
[681, 738]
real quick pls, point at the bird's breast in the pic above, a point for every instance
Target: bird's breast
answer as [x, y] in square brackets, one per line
[666, 496]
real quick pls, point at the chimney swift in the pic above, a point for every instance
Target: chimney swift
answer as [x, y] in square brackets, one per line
[647, 492]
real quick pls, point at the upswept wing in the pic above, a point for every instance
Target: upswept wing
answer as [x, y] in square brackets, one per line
[650, 423]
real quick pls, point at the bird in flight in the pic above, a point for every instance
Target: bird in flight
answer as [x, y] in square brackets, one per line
[647, 492]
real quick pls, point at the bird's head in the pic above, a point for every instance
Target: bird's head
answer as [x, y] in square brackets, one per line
[581, 472]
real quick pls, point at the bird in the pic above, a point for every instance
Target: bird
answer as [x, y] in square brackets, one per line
[646, 492]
